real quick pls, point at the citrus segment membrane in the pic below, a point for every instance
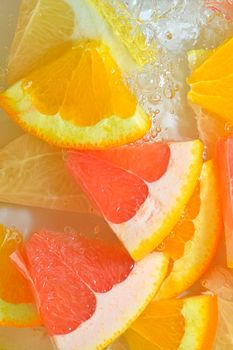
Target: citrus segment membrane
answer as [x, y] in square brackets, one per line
[32, 173]
[140, 189]
[175, 324]
[78, 282]
[194, 240]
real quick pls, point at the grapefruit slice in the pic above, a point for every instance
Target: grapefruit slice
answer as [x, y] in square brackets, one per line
[176, 324]
[16, 300]
[140, 189]
[32, 173]
[193, 242]
[224, 162]
[77, 98]
[46, 24]
[80, 287]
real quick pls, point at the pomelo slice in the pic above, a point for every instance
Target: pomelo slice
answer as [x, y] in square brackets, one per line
[80, 287]
[16, 300]
[193, 242]
[32, 173]
[77, 98]
[176, 324]
[140, 189]
[224, 162]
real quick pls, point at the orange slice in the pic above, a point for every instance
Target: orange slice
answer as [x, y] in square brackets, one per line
[82, 293]
[210, 128]
[176, 324]
[211, 83]
[77, 100]
[194, 240]
[46, 24]
[16, 300]
[141, 189]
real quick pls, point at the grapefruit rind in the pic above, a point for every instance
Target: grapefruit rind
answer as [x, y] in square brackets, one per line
[18, 315]
[165, 203]
[114, 312]
[199, 251]
[201, 316]
[109, 132]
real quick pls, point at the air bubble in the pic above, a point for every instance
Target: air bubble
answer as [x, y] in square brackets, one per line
[228, 127]
[161, 246]
[169, 35]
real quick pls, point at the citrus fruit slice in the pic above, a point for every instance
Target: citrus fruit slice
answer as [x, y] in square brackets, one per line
[224, 162]
[175, 325]
[80, 286]
[140, 189]
[193, 241]
[210, 128]
[46, 24]
[16, 300]
[77, 100]
[32, 173]
[219, 280]
[211, 83]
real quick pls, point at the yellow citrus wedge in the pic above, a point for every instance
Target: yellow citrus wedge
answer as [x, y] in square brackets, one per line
[32, 173]
[45, 24]
[16, 301]
[176, 324]
[79, 99]
[211, 83]
[194, 240]
[141, 189]
[81, 296]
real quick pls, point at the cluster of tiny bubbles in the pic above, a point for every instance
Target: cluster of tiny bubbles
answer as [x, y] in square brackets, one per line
[13, 234]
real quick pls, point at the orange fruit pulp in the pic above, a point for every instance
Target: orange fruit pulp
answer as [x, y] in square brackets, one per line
[14, 288]
[84, 84]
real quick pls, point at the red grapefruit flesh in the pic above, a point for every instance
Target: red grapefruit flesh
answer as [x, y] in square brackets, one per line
[224, 162]
[80, 286]
[141, 189]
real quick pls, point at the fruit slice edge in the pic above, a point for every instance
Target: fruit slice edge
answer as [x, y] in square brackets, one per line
[66, 134]
[208, 228]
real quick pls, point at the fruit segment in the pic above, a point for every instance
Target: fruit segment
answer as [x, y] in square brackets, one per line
[32, 173]
[80, 287]
[77, 97]
[211, 83]
[194, 240]
[16, 300]
[224, 162]
[140, 189]
[175, 324]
